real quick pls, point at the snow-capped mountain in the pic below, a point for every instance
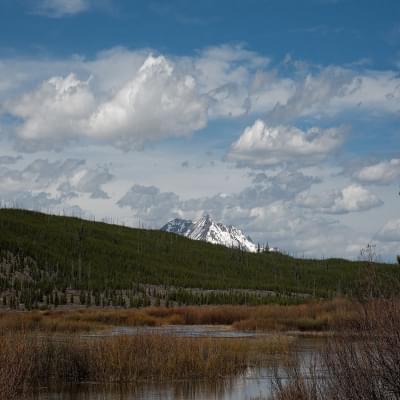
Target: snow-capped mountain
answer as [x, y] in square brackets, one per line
[210, 231]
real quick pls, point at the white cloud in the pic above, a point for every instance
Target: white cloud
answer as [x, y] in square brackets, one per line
[28, 200]
[279, 221]
[390, 232]
[64, 179]
[333, 90]
[158, 102]
[381, 173]
[140, 96]
[54, 112]
[237, 81]
[352, 198]
[261, 145]
[127, 97]
[149, 204]
[61, 8]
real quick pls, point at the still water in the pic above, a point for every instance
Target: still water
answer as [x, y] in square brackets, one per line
[254, 384]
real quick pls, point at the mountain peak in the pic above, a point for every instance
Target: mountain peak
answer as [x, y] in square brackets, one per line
[206, 229]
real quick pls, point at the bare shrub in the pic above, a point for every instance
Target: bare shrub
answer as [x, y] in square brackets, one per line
[362, 362]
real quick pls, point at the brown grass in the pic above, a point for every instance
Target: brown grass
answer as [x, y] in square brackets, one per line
[28, 361]
[313, 316]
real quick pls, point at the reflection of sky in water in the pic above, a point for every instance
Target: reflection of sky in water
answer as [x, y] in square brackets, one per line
[248, 387]
[222, 331]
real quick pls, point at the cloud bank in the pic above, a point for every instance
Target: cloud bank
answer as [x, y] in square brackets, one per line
[129, 97]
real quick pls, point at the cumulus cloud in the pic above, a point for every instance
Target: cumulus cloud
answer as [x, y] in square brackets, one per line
[352, 198]
[262, 146]
[53, 113]
[60, 8]
[159, 101]
[127, 97]
[380, 173]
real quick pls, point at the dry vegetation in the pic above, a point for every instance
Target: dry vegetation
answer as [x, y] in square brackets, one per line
[365, 368]
[312, 316]
[361, 361]
[29, 361]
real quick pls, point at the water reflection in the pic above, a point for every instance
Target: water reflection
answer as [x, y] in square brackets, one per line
[215, 331]
[241, 388]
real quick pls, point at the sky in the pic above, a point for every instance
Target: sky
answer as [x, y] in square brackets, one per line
[281, 117]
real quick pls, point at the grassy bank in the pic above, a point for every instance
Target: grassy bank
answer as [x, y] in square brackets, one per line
[313, 316]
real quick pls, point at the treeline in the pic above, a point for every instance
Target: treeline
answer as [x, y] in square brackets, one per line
[31, 297]
[42, 254]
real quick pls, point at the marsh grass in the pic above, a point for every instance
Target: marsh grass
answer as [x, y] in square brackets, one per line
[312, 316]
[31, 361]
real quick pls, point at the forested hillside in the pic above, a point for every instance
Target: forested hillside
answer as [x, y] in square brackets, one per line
[44, 256]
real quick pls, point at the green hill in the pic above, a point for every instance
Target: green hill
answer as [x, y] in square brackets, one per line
[47, 253]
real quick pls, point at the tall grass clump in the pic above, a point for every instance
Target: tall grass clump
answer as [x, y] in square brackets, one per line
[31, 361]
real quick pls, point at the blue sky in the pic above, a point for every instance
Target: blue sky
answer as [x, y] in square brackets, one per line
[281, 117]
[328, 32]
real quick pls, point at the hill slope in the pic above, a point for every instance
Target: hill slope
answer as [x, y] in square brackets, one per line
[65, 252]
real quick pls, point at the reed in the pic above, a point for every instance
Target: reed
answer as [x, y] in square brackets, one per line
[29, 361]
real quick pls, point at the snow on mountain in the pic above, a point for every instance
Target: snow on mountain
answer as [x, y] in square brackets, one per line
[210, 231]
